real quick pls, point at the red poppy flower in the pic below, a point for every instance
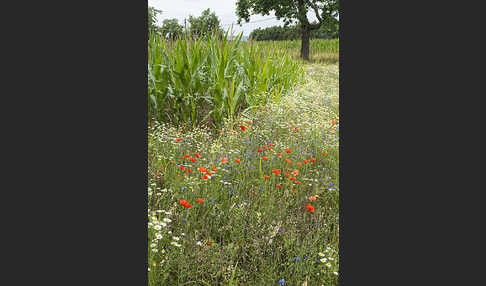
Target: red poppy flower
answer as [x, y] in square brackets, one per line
[189, 170]
[209, 173]
[295, 172]
[306, 161]
[192, 159]
[242, 128]
[324, 154]
[200, 200]
[205, 177]
[276, 171]
[178, 139]
[313, 198]
[265, 158]
[203, 170]
[287, 160]
[270, 144]
[187, 155]
[249, 123]
[288, 150]
[287, 174]
[333, 121]
[219, 130]
[269, 148]
[279, 154]
[224, 160]
[278, 186]
[259, 150]
[185, 204]
[292, 178]
[294, 191]
[181, 167]
[237, 160]
[197, 155]
[298, 182]
[310, 208]
[299, 164]
[213, 169]
[313, 159]
[267, 177]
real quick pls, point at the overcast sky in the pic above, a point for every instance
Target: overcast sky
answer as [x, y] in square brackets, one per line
[224, 9]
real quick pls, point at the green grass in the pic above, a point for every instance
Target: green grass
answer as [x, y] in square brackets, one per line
[248, 231]
[320, 50]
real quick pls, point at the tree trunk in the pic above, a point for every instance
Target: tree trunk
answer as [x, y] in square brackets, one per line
[304, 51]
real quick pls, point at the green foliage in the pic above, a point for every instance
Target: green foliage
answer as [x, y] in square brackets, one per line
[204, 25]
[171, 29]
[292, 32]
[152, 19]
[204, 81]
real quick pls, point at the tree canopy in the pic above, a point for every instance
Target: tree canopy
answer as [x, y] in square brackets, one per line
[205, 24]
[292, 32]
[171, 28]
[152, 19]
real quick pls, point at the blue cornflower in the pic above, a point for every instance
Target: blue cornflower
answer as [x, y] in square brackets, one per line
[246, 201]
[297, 259]
[281, 281]
[280, 229]
[261, 188]
[212, 201]
[183, 187]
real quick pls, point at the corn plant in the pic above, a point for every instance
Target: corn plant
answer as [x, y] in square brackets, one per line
[205, 81]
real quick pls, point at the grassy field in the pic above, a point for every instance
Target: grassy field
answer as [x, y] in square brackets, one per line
[321, 50]
[250, 197]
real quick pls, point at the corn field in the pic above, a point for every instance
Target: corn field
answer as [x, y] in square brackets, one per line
[207, 81]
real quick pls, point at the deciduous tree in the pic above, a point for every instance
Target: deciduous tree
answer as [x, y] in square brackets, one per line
[326, 12]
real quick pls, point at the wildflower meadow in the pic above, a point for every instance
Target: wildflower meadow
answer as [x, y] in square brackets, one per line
[247, 194]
